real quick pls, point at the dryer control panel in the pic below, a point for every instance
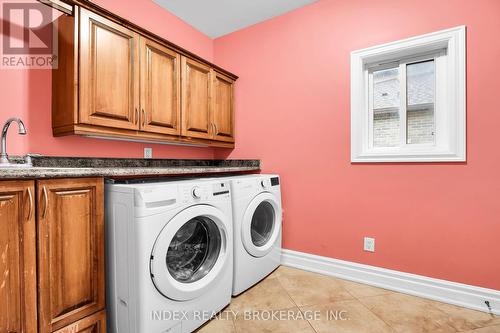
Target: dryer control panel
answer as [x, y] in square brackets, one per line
[266, 183]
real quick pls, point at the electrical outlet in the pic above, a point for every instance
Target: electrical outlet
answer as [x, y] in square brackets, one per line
[369, 244]
[148, 152]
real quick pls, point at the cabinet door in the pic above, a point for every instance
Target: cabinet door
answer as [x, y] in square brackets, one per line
[70, 251]
[160, 89]
[17, 257]
[109, 73]
[223, 109]
[92, 324]
[196, 106]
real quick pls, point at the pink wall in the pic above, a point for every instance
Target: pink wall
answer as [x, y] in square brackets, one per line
[27, 94]
[292, 100]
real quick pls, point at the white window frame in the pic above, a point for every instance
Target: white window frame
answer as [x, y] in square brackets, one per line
[447, 48]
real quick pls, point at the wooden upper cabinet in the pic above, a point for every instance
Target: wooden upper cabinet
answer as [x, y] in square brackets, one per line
[115, 79]
[160, 88]
[18, 299]
[223, 107]
[196, 99]
[207, 102]
[109, 73]
[70, 251]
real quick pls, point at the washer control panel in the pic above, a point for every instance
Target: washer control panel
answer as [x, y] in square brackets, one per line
[203, 191]
[221, 189]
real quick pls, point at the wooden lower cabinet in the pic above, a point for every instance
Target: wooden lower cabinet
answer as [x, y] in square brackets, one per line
[17, 257]
[70, 251]
[56, 225]
[95, 323]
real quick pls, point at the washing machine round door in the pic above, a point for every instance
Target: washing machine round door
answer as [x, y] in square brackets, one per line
[261, 225]
[190, 253]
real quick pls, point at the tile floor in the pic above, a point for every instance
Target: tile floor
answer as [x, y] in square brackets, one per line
[292, 300]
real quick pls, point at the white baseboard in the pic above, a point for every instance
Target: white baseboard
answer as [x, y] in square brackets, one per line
[467, 296]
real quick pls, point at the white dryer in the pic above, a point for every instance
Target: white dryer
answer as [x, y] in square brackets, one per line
[169, 254]
[257, 217]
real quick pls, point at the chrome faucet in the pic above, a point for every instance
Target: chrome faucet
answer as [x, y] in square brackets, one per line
[4, 158]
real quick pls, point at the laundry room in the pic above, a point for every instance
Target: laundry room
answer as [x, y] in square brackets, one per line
[232, 166]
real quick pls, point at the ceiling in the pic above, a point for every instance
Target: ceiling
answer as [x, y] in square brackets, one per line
[216, 18]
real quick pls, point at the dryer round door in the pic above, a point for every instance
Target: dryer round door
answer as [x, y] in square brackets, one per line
[261, 224]
[190, 253]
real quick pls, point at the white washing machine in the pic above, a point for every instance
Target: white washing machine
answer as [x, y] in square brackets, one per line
[257, 217]
[169, 254]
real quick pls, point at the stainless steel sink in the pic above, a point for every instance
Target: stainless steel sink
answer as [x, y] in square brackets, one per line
[18, 162]
[5, 161]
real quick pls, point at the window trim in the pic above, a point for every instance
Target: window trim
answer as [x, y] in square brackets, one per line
[451, 146]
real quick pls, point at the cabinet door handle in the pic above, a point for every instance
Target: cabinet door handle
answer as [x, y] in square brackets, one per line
[30, 211]
[46, 202]
[216, 129]
[136, 114]
[143, 118]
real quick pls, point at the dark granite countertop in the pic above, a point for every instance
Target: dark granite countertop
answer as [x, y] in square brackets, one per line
[57, 167]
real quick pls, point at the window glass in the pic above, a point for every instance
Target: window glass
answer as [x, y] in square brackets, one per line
[420, 96]
[386, 102]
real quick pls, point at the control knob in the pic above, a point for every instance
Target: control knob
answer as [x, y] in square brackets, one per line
[197, 192]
